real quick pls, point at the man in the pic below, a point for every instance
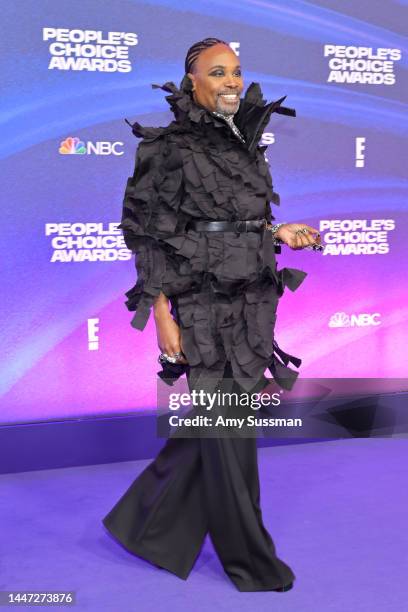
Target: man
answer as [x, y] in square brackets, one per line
[197, 215]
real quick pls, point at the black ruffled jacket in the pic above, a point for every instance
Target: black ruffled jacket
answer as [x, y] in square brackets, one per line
[224, 287]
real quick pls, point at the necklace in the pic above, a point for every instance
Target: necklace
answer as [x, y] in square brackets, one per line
[230, 120]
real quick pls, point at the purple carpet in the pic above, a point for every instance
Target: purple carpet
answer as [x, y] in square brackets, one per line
[337, 512]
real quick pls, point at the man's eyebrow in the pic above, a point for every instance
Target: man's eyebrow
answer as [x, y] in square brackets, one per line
[220, 66]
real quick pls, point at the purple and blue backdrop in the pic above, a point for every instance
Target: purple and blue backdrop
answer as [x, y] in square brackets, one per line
[71, 73]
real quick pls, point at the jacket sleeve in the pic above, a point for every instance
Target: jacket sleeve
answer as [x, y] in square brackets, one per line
[149, 216]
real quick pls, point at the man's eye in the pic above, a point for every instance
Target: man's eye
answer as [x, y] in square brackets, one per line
[221, 73]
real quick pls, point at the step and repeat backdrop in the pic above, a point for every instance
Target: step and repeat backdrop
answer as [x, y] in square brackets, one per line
[72, 71]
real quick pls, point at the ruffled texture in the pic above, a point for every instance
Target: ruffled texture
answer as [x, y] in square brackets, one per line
[224, 287]
[150, 221]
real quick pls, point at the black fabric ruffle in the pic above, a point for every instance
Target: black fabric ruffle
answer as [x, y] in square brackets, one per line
[224, 287]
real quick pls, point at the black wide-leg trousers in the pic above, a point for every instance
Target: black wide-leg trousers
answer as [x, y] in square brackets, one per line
[197, 486]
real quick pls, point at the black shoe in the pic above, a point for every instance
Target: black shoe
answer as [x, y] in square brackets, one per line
[284, 588]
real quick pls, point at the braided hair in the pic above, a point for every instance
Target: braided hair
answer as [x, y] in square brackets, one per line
[195, 50]
[191, 58]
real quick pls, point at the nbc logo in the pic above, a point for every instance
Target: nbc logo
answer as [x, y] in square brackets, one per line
[341, 319]
[74, 146]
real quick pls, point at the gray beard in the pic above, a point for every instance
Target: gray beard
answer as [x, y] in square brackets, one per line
[225, 113]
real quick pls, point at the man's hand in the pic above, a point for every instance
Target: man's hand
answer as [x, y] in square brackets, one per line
[291, 234]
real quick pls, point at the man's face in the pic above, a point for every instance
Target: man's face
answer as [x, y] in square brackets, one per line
[217, 79]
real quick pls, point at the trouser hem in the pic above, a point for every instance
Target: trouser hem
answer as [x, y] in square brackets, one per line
[259, 585]
[146, 555]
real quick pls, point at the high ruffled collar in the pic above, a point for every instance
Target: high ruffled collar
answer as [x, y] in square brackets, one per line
[251, 118]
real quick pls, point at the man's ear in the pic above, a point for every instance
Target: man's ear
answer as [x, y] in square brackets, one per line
[192, 79]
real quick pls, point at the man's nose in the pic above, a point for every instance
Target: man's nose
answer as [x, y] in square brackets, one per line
[231, 84]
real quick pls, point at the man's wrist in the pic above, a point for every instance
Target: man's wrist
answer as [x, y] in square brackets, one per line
[274, 230]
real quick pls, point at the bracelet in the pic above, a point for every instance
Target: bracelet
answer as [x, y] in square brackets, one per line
[274, 229]
[164, 357]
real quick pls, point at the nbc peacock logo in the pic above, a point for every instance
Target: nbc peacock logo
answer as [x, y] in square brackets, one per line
[339, 319]
[72, 146]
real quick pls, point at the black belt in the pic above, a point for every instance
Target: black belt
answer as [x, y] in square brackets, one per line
[252, 225]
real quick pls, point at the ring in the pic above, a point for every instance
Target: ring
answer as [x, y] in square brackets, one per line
[303, 230]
